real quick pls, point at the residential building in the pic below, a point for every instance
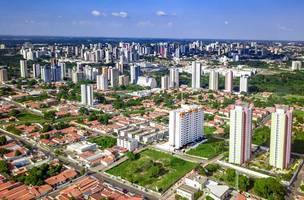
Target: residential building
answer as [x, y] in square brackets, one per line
[185, 125]
[174, 78]
[145, 81]
[129, 143]
[196, 75]
[135, 72]
[102, 82]
[280, 139]
[186, 191]
[46, 74]
[36, 71]
[240, 134]
[123, 80]
[87, 95]
[244, 84]
[164, 82]
[213, 80]
[114, 77]
[23, 68]
[229, 81]
[3, 74]
[296, 65]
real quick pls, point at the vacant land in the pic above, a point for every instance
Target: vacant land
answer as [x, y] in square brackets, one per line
[209, 149]
[153, 169]
[103, 141]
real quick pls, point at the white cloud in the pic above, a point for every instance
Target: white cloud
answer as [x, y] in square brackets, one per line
[161, 13]
[29, 21]
[284, 28]
[120, 14]
[226, 22]
[145, 24]
[95, 13]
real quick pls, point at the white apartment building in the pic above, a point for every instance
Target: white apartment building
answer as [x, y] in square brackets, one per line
[280, 140]
[240, 134]
[129, 143]
[244, 84]
[164, 82]
[102, 82]
[213, 80]
[174, 78]
[196, 75]
[114, 73]
[185, 125]
[23, 68]
[87, 94]
[229, 81]
[296, 65]
[123, 80]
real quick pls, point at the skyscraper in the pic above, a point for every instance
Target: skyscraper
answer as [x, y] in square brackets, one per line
[23, 68]
[229, 81]
[196, 75]
[164, 82]
[114, 76]
[36, 70]
[213, 80]
[174, 78]
[280, 139]
[185, 125]
[87, 94]
[102, 82]
[63, 70]
[135, 72]
[3, 74]
[240, 134]
[244, 84]
[46, 74]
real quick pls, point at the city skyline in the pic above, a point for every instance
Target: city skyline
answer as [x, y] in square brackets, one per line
[270, 20]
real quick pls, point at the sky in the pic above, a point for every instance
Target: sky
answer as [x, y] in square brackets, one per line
[204, 19]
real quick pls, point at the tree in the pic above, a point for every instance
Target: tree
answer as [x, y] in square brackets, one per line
[269, 188]
[244, 183]
[131, 155]
[230, 175]
[18, 153]
[4, 169]
[3, 140]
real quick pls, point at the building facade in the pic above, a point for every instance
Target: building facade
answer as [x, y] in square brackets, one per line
[196, 75]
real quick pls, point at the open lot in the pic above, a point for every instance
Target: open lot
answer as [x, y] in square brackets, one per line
[153, 169]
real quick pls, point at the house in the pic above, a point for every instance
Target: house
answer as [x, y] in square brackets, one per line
[217, 192]
[196, 181]
[186, 191]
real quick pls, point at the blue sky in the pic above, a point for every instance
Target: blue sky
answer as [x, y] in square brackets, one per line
[220, 19]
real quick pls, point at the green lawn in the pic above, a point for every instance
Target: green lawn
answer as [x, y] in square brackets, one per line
[29, 117]
[209, 149]
[153, 169]
[208, 130]
[103, 141]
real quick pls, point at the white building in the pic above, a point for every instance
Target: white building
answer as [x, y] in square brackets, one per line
[186, 191]
[123, 80]
[81, 147]
[174, 78]
[213, 80]
[129, 143]
[196, 181]
[185, 125]
[240, 134]
[280, 140]
[296, 65]
[102, 82]
[244, 84]
[36, 70]
[229, 81]
[87, 95]
[114, 77]
[196, 75]
[146, 82]
[164, 82]
[23, 68]
[134, 72]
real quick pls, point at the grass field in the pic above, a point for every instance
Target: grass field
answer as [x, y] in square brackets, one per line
[209, 130]
[153, 170]
[209, 149]
[103, 141]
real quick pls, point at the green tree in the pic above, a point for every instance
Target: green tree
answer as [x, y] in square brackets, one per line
[269, 188]
[244, 183]
[4, 169]
[3, 140]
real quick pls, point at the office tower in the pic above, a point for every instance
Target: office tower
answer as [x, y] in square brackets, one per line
[46, 74]
[102, 82]
[87, 94]
[196, 75]
[36, 71]
[185, 125]
[63, 70]
[164, 82]
[174, 78]
[3, 74]
[114, 77]
[240, 134]
[229, 81]
[23, 69]
[244, 84]
[123, 80]
[296, 65]
[135, 72]
[280, 138]
[213, 80]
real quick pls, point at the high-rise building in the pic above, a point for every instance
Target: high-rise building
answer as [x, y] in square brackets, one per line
[46, 74]
[135, 72]
[280, 138]
[296, 65]
[102, 82]
[174, 78]
[3, 74]
[185, 125]
[114, 77]
[105, 71]
[36, 71]
[164, 82]
[87, 94]
[229, 81]
[56, 73]
[196, 75]
[244, 84]
[63, 70]
[123, 80]
[23, 68]
[213, 80]
[240, 134]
